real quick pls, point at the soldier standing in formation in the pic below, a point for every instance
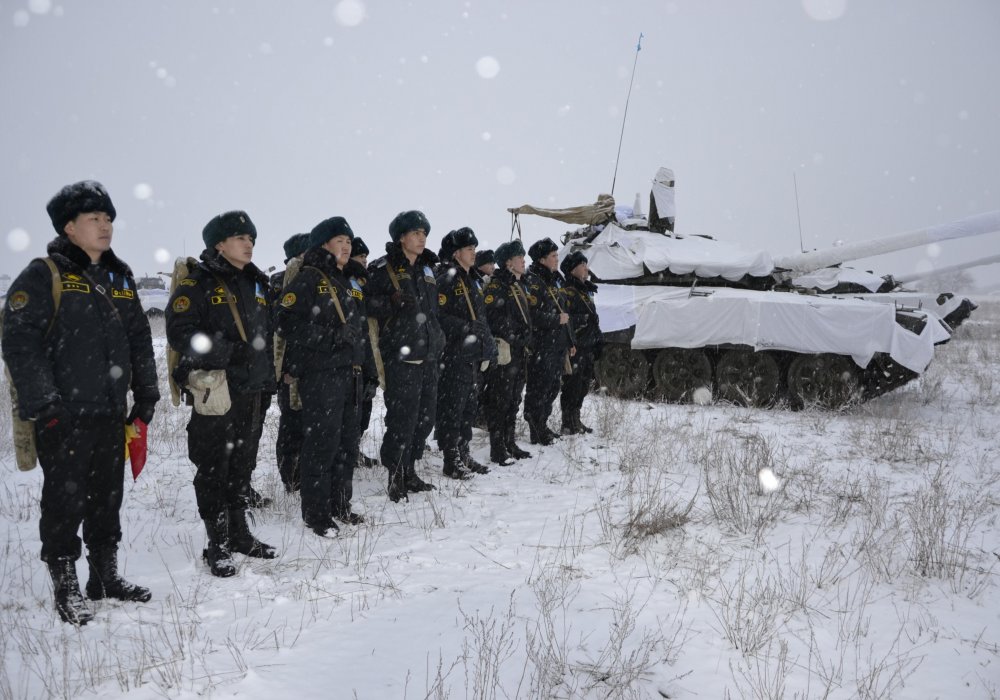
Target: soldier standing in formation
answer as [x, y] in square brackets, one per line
[321, 317]
[358, 271]
[509, 315]
[485, 265]
[579, 295]
[289, 440]
[469, 345]
[553, 339]
[75, 340]
[403, 298]
[219, 321]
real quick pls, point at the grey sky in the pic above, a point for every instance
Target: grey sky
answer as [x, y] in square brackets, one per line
[887, 111]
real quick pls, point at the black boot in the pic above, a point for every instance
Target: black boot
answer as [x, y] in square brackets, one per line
[498, 450]
[257, 500]
[515, 451]
[220, 561]
[104, 581]
[467, 460]
[241, 540]
[580, 427]
[539, 434]
[397, 485]
[453, 468]
[349, 517]
[69, 602]
[413, 483]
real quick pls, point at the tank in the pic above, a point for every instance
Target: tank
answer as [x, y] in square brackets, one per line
[690, 318]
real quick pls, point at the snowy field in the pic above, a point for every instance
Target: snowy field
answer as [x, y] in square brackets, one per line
[644, 561]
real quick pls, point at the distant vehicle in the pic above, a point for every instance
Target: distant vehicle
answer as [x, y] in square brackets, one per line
[689, 318]
[153, 294]
[154, 282]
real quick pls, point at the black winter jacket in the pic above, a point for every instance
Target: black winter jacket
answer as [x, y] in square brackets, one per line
[199, 306]
[508, 320]
[579, 296]
[544, 289]
[98, 347]
[410, 332]
[454, 286]
[309, 322]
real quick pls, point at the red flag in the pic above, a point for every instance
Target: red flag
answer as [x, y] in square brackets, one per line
[135, 445]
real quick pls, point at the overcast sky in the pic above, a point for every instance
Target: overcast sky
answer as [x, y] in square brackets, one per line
[886, 111]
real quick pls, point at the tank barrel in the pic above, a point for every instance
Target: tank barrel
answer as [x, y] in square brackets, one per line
[799, 263]
[913, 277]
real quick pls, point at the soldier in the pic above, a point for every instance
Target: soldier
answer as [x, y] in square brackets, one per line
[403, 298]
[553, 339]
[219, 321]
[579, 294]
[75, 340]
[359, 272]
[289, 439]
[509, 315]
[469, 344]
[485, 265]
[322, 320]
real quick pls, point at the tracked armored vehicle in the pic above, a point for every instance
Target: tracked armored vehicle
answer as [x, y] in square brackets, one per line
[689, 318]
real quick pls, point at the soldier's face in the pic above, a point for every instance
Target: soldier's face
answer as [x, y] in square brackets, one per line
[90, 232]
[551, 260]
[238, 250]
[516, 264]
[488, 268]
[580, 272]
[340, 248]
[413, 242]
[362, 259]
[466, 257]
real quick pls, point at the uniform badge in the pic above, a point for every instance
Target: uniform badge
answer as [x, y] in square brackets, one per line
[181, 304]
[288, 300]
[489, 299]
[187, 282]
[18, 300]
[533, 299]
[442, 299]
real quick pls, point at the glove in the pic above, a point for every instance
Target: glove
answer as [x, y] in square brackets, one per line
[143, 410]
[371, 387]
[346, 335]
[51, 415]
[403, 300]
[481, 329]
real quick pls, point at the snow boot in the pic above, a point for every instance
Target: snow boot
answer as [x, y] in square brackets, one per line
[257, 500]
[453, 468]
[241, 540]
[104, 581]
[509, 441]
[69, 602]
[470, 463]
[498, 450]
[217, 554]
[539, 434]
[397, 485]
[413, 483]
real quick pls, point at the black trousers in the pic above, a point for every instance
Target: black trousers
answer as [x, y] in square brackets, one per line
[329, 442]
[224, 452]
[545, 370]
[456, 402]
[575, 386]
[289, 440]
[410, 408]
[83, 466]
[504, 384]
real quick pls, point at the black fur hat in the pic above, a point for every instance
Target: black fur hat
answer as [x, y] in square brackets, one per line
[539, 249]
[296, 245]
[223, 226]
[456, 240]
[79, 198]
[329, 228]
[358, 247]
[407, 221]
[570, 262]
[484, 257]
[506, 251]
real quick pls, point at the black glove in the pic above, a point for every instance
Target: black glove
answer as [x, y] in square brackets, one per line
[143, 410]
[371, 387]
[51, 415]
[403, 300]
[346, 335]
[481, 329]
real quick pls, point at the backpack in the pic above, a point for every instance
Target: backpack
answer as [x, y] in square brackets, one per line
[24, 430]
[182, 269]
[291, 270]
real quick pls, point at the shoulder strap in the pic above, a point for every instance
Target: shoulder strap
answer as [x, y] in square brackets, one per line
[333, 295]
[467, 300]
[515, 288]
[231, 301]
[56, 291]
[392, 275]
[104, 294]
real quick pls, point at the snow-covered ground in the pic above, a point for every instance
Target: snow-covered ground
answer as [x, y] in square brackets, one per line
[646, 560]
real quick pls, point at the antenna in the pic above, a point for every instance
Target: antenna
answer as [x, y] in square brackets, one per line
[638, 48]
[798, 215]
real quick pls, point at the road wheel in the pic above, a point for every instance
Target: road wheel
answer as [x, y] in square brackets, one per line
[827, 381]
[624, 372]
[748, 378]
[679, 372]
